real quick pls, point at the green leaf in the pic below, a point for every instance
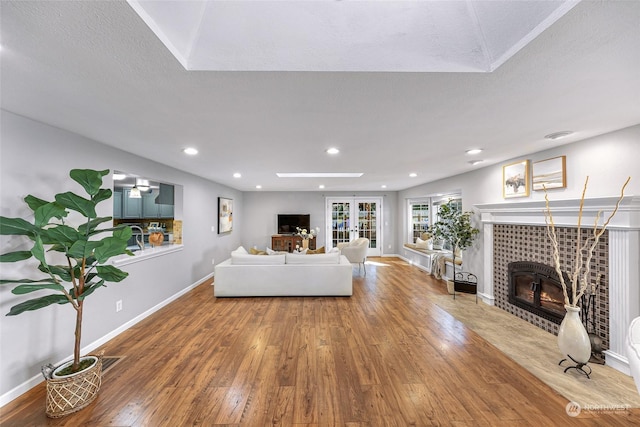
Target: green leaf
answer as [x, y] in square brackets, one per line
[61, 235]
[25, 289]
[122, 232]
[61, 271]
[90, 289]
[112, 246]
[79, 204]
[89, 227]
[103, 194]
[91, 180]
[15, 227]
[4, 282]
[83, 248]
[34, 202]
[37, 303]
[38, 251]
[110, 273]
[15, 256]
[45, 212]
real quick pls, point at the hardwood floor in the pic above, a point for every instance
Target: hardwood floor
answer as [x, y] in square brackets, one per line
[385, 357]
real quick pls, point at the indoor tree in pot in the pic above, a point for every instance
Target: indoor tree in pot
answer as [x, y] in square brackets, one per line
[454, 226]
[82, 256]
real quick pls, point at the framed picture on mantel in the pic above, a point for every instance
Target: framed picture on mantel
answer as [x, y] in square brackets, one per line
[225, 215]
[515, 179]
[550, 173]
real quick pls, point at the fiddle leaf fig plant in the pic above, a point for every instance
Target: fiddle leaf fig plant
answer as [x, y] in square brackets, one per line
[82, 247]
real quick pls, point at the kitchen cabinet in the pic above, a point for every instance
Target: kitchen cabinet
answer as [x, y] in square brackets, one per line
[151, 209]
[117, 204]
[131, 208]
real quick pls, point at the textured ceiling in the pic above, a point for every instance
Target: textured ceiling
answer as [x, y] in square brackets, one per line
[422, 36]
[95, 68]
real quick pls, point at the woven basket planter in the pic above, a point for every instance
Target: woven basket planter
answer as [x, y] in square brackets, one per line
[70, 394]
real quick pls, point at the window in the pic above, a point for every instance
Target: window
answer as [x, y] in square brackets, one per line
[423, 212]
[419, 218]
[456, 203]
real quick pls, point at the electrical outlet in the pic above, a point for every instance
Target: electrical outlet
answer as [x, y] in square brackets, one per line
[213, 228]
[213, 261]
[119, 305]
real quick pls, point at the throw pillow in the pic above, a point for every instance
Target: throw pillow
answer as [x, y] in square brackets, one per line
[254, 251]
[423, 244]
[320, 250]
[240, 250]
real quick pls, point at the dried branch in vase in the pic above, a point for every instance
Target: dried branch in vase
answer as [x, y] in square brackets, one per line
[584, 251]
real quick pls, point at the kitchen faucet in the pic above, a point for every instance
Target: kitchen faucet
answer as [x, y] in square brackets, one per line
[140, 242]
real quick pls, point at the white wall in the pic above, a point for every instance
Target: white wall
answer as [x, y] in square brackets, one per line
[261, 209]
[607, 159]
[36, 159]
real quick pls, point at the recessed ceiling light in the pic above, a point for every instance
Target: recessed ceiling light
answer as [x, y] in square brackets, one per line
[119, 176]
[237, 175]
[558, 135]
[383, 186]
[321, 186]
[474, 151]
[258, 186]
[319, 174]
[332, 150]
[475, 162]
[190, 151]
[413, 174]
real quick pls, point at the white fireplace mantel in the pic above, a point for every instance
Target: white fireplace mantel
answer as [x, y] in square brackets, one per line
[624, 253]
[565, 212]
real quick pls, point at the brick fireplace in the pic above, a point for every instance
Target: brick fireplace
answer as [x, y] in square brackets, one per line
[516, 231]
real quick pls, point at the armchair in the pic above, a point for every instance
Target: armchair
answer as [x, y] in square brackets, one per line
[356, 251]
[633, 350]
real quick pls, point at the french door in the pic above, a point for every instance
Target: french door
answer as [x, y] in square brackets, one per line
[352, 217]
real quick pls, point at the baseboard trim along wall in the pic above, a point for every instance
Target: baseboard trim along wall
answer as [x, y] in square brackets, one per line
[37, 379]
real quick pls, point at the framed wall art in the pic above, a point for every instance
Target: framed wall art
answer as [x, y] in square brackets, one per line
[225, 215]
[550, 173]
[515, 179]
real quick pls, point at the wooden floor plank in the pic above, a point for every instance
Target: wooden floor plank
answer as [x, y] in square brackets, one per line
[387, 356]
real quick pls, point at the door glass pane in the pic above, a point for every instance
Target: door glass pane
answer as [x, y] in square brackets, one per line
[367, 222]
[340, 222]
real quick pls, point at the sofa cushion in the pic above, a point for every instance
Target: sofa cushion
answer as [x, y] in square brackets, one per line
[320, 250]
[272, 252]
[248, 259]
[333, 258]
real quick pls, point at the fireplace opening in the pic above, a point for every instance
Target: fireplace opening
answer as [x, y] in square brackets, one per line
[535, 287]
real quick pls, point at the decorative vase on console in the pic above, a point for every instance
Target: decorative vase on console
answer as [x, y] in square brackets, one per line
[306, 235]
[573, 339]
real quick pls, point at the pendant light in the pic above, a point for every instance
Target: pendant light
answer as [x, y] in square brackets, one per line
[135, 193]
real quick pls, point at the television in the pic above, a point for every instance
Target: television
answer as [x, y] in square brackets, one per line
[287, 223]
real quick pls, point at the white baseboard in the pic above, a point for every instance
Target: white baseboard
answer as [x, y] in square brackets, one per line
[37, 379]
[487, 299]
[617, 361]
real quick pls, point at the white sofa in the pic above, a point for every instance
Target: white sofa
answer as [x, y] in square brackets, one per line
[246, 275]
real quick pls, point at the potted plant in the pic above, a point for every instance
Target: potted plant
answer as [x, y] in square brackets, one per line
[454, 226]
[69, 256]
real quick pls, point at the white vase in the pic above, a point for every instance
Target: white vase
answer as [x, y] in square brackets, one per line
[573, 339]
